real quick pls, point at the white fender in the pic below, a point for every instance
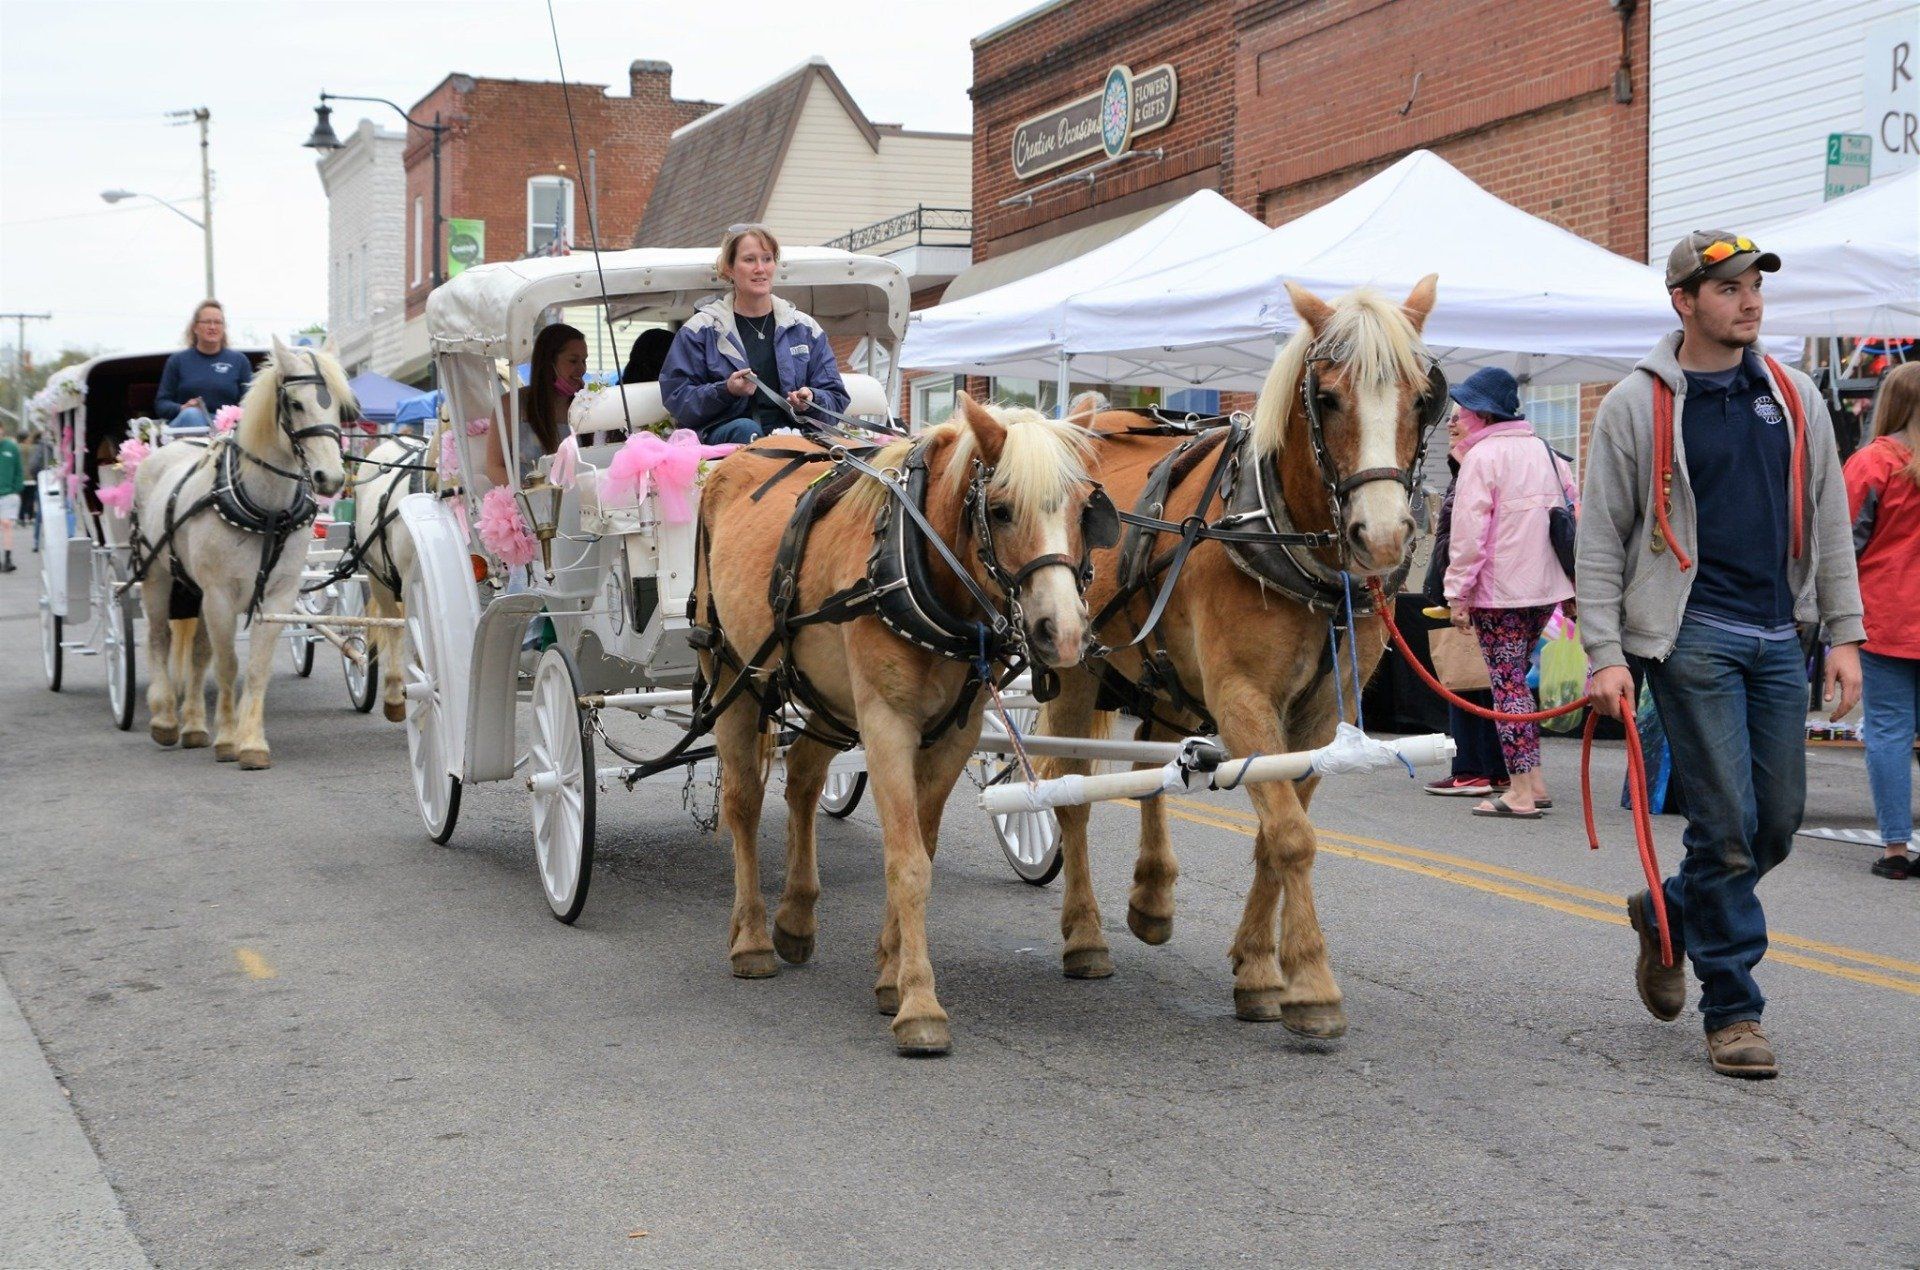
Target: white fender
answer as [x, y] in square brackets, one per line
[495, 679]
[450, 607]
[53, 530]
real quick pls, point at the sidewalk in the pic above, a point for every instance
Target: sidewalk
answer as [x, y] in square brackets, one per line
[56, 1208]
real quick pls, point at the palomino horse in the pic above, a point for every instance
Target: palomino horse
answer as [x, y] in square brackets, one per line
[1240, 647]
[222, 533]
[386, 549]
[1006, 489]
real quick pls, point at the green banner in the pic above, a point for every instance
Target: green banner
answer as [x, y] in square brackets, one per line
[466, 244]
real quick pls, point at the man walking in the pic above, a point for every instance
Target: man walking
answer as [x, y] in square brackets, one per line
[1714, 521]
[13, 479]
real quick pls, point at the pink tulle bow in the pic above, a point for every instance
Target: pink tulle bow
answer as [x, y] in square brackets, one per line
[565, 468]
[449, 456]
[504, 531]
[75, 483]
[668, 467]
[226, 419]
[132, 451]
[118, 497]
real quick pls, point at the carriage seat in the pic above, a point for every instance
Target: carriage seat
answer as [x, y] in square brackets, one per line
[867, 399]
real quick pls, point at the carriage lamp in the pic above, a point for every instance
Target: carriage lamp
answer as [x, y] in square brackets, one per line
[540, 501]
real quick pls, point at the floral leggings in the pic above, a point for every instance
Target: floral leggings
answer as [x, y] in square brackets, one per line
[1507, 637]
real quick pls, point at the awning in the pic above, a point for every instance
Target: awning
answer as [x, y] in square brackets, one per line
[1031, 259]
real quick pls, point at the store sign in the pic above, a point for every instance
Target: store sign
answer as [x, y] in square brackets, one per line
[1107, 121]
[1849, 162]
[1891, 79]
[466, 244]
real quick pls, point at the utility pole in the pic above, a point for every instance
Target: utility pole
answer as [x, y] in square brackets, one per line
[20, 321]
[201, 115]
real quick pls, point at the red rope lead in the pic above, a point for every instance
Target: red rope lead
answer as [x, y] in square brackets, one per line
[1636, 765]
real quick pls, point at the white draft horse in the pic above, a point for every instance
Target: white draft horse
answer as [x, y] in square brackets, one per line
[1253, 655]
[222, 530]
[386, 549]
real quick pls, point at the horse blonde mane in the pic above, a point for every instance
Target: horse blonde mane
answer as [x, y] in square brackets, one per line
[259, 428]
[1042, 462]
[1368, 333]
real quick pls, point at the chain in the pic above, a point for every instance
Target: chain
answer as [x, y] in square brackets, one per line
[708, 820]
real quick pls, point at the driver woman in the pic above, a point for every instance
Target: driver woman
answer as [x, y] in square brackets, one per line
[205, 375]
[556, 373]
[748, 337]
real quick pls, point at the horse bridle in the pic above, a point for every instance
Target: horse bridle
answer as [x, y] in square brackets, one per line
[1340, 489]
[283, 416]
[1099, 527]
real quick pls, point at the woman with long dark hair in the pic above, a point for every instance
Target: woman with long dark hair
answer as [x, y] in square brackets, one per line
[1883, 493]
[557, 372]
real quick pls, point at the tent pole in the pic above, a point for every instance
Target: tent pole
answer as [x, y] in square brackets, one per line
[1060, 387]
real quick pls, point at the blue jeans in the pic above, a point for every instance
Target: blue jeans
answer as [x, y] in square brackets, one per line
[734, 432]
[1734, 708]
[191, 417]
[1891, 688]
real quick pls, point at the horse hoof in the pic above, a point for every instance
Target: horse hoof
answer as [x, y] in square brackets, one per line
[1087, 963]
[1257, 1005]
[254, 761]
[887, 999]
[195, 740]
[1147, 928]
[758, 964]
[223, 753]
[163, 735]
[1317, 1022]
[792, 948]
[921, 1038]
[396, 711]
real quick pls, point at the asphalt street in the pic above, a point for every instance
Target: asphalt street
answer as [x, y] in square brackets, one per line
[298, 1033]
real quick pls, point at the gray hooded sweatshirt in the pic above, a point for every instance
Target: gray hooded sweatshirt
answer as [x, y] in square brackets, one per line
[1632, 597]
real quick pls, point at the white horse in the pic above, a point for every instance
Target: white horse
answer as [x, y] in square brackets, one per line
[386, 558]
[223, 528]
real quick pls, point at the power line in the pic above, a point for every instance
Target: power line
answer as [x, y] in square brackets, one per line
[105, 211]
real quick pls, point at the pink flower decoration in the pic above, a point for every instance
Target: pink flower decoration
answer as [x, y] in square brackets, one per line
[132, 451]
[565, 468]
[449, 456]
[118, 497]
[504, 531]
[75, 483]
[668, 468]
[478, 427]
[226, 419]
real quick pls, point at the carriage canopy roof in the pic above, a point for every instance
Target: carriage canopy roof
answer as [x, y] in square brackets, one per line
[493, 309]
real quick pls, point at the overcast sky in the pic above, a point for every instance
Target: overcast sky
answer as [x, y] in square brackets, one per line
[84, 88]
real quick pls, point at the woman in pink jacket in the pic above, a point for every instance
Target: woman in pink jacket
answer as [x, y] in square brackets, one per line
[1503, 579]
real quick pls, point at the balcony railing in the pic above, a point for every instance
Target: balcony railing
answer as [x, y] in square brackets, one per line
[921, 227]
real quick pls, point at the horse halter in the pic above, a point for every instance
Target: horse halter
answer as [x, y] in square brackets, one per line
[1433, 407]
[1099, 527]
[283, 416]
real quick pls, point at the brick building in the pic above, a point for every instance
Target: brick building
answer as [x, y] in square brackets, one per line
[1283, 105]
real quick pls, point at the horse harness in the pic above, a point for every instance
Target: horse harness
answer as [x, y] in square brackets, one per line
[228, 499]
[354, 557]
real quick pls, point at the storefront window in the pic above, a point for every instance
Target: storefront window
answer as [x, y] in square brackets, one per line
[932, 399]
[1554, 411]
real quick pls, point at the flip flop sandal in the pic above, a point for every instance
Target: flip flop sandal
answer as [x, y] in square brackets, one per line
[1500, 811]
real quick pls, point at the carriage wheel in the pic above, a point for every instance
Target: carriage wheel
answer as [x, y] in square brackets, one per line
[51, 654]
[842, 793]
[363, 679]
[1029, 839]
[435, 790]
[118, 651]
[561, 778]
[301, 639]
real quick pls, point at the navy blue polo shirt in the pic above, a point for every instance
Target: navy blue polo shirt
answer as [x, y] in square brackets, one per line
[1739, 451]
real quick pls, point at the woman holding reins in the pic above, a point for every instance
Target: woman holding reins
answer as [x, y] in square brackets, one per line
[743, 354]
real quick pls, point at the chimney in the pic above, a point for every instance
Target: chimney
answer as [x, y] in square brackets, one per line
[650, 80]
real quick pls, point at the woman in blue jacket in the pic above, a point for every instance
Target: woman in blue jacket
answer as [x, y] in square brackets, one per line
[738, 341]
[205, 375]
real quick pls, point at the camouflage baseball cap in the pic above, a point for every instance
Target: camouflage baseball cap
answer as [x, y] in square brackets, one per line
[1715, 253]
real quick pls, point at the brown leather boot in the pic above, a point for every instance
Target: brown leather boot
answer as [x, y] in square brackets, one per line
[1741, 1049]
[1663, 989]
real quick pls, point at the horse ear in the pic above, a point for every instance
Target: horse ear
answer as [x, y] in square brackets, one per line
[1084, 408]
[988, 432]
[1420, 300]
[1314, 311]
[330, 348]
[279, 351]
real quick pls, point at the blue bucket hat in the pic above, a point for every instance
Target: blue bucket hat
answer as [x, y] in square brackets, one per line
[1489, 391]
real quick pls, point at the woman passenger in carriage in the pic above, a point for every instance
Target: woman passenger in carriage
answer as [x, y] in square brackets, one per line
[556, 373]
[750, 336]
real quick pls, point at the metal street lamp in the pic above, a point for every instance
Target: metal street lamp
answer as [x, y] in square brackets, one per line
[204, 226]
[325, 140]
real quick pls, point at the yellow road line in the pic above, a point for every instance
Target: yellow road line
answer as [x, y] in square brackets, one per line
[253, 964]
[1463, 873]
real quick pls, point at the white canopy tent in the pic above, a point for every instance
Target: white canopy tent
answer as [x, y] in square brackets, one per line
[1515, 290]
[1019, 329]
[1849, 267]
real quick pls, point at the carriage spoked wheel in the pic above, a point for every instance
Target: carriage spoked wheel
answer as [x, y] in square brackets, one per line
[363, 678]
[561, 778]
[842, 793]
[301, 639]
[118, 651]
[435, 790]
[1029, 839]
[52, 656]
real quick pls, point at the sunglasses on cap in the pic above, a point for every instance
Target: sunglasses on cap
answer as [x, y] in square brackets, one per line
[1713, 253]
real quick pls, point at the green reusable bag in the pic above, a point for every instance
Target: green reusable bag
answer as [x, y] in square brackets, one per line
[1563, 673]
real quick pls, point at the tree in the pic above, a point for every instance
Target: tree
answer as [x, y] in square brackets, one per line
[15, 389]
